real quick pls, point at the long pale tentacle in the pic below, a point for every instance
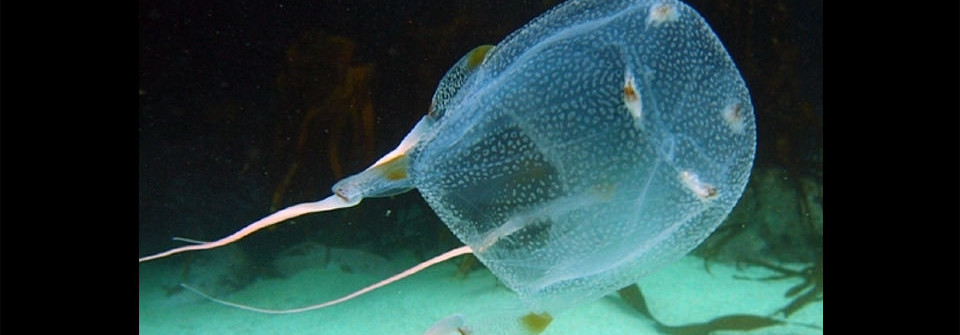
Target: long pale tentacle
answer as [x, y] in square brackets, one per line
[445, 256]
[330, 203]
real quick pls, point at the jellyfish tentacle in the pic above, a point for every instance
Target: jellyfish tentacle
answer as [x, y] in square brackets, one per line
[413, 270]
[330, 203]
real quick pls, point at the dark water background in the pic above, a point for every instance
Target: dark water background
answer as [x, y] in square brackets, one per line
[247, 106]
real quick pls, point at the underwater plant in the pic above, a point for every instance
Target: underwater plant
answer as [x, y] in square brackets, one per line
[737, 322]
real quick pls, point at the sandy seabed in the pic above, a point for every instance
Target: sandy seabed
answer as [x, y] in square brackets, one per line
[681, 293]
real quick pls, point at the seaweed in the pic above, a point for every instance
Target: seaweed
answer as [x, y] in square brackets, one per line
[729, 231]
[813, 279]
[738, 322]
[632, 295]
[467, 264]
[811, 287]
[337, 112]
[170, 290]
